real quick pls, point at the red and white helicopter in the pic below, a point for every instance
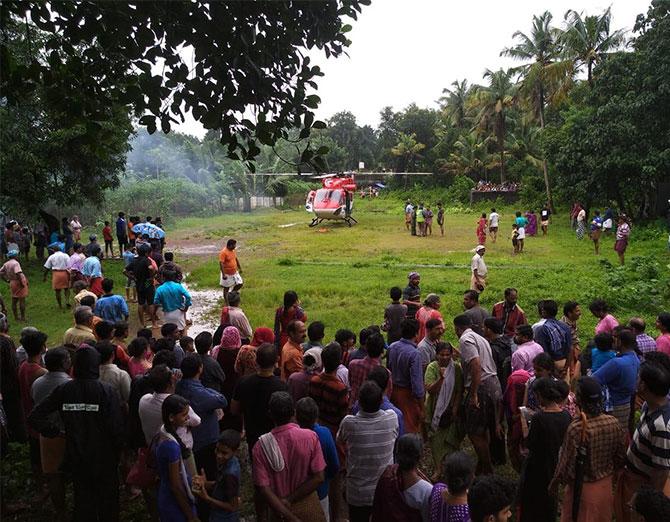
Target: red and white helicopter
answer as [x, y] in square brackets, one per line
[335, 200]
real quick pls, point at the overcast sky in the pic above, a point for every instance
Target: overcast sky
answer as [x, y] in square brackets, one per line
[406, 51]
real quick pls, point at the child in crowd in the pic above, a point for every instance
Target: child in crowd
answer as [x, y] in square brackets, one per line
[428, 215]
[449, 498]
[603, 351]
[109, 239]
[121, 330]
[515, 238]
[139, 362]
[186, 344]
[521, 238]
[394, 315]
[223, 494]
[26, 240]
[128, 257]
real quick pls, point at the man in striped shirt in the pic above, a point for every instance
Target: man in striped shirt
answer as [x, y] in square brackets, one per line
[648, 457]
[645, 342]
[369, 437]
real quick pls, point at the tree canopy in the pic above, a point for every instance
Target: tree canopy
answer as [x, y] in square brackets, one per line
[219, 60]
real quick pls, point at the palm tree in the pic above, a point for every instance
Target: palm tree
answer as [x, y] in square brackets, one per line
[408, 149]
[494, 102]
[523, 143]
[588, 40]
[454, 103]
[470, 156]
[544, 74]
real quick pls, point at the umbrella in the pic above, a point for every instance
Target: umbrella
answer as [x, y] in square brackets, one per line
[153, 231]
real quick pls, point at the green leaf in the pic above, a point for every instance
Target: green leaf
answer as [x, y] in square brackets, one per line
[312, 101]
[346, 28]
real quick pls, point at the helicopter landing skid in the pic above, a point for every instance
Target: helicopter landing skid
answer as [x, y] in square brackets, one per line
[350, 221]
[315, 222]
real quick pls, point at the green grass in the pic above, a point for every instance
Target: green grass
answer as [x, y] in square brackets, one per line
[343, 274]
[41, 307]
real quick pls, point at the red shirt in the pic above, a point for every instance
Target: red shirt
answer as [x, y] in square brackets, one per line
[358, 373]
[423, 315]
[510, 318]
[107, 233]
[28, 373]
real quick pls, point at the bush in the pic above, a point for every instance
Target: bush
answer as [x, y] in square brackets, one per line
[638, 285]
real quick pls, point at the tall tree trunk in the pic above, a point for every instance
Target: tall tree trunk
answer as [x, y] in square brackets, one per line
[590, 73]
[545, 170]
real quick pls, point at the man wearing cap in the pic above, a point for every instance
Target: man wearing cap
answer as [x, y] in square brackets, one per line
[92, 271]
[429, 310]
[12, 272]
[60, 278]
[411, 295]
[479, 270]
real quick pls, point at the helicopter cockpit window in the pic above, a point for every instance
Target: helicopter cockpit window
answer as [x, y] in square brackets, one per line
[327, 196]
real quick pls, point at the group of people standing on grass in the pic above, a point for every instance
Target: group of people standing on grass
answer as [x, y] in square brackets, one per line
[419, 219]
[336, 430]
[602, 225]
[523, 226]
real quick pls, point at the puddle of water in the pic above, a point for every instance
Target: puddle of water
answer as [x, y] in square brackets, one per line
[197, 250]
[204, 312]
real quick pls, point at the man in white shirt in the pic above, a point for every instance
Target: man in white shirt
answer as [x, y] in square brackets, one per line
[494, 219]
[60, 277]
[409, 208]
[238, 318]
[111, 373]
[479, 270]
[483, 408]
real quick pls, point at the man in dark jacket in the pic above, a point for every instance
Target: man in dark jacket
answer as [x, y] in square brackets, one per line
[91, 413]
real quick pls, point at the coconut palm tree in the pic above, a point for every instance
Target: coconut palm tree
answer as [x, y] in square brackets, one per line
[494, 102]
[408, 149]
[454, 103]
[545, 74]
[587, 40]
[470, 156]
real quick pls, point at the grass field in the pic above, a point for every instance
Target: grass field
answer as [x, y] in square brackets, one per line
[343, 275]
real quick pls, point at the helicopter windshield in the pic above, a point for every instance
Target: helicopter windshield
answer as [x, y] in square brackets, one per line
[328, 196]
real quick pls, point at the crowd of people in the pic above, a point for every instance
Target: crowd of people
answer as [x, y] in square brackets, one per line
[336, 430]
[606, 224]
[331, 430]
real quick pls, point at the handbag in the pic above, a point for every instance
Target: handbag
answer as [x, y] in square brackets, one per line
[144, 474]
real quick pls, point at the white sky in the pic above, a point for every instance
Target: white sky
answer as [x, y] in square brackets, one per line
[406, 51]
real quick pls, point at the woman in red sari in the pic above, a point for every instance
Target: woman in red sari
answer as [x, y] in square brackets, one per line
[481, 229]
[291, 311]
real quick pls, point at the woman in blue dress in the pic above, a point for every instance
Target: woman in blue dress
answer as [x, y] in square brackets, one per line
[175, 499]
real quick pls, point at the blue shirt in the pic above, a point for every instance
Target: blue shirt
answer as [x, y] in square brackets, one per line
[599, 357]
[121, 228]
[386, 405]
[620, 376]
[329, 455]
[204, 402]
[555, 337]
[521, 221]
[404, 361]
[172, 296]
[227, 487]
[111, 308]
[92, 267]
[168, 452]
[128, 257]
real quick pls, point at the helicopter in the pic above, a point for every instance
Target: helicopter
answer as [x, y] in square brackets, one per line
[335, 200]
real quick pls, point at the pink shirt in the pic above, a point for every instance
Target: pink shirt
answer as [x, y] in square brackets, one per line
[302, 457]
[522, 359]
[663, 343]
[606, 324]
[138, 367]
